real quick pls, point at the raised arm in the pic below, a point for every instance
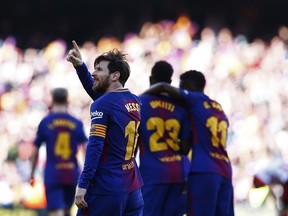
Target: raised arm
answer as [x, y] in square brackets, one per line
[75, 58]
[163, 87]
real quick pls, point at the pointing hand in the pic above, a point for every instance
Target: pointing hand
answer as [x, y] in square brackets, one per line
[74, 55]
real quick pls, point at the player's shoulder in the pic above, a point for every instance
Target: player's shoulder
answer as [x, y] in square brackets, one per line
[105, 102]
[123, 94]
[185, 92]
[155, 96]
[136, 97]
[67, 116]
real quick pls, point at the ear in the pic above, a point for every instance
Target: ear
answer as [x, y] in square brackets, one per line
[115, 76]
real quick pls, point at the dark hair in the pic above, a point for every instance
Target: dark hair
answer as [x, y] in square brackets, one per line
[162, 71]
[117, 62]
[59, 95]
[195, 79]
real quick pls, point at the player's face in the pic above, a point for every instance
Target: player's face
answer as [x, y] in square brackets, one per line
[101, 77]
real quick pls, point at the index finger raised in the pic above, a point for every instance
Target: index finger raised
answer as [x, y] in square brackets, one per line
[75, 45]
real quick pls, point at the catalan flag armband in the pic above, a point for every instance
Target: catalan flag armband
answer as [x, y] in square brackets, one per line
[98, 130]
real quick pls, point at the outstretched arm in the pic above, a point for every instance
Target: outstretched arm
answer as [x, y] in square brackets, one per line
[75, 58]
[163, 87]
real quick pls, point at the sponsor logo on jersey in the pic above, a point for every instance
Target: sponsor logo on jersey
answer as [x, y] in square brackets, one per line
[96, 114]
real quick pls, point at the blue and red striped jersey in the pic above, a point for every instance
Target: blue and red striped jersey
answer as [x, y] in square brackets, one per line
[110, 167]
[164, 122]
[210, 126]
[62, 134]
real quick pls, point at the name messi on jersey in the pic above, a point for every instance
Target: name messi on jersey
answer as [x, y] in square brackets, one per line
[132, 107]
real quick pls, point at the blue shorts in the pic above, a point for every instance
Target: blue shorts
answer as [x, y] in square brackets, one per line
[164, 199]
[59, 196]
[210, 194]
[131, 204]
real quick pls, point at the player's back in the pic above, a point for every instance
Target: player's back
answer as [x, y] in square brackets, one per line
[62, 134]
[119, 114]
[210, 134]
[163, 123]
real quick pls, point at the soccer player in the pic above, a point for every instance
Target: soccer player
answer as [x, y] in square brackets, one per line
[163, 123]
[62, 133]
[210, 190]
[110, 183]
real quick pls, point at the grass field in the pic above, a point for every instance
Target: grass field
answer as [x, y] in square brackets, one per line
[18, 212]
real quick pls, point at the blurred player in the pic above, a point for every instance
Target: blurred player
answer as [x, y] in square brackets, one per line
[163, 123]
[110, 183]
[210, 190]
[62, 133]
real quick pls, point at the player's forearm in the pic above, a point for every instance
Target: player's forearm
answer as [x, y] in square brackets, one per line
[87, 81]
[92, 157]
[34, 160]
[172, 91]
[155, 89]
[163, 87]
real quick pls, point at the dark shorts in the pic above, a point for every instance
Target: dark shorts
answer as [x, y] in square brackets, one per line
[210, 194]
[164, 199]
[59, 196]
[130, 204]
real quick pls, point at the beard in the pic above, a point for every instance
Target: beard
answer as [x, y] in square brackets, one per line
[101, 86]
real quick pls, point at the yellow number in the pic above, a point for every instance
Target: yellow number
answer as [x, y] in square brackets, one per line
[222, 128]
[131, 131]
[62, 146]
[217, 127]
[171, 126]
[156, 124]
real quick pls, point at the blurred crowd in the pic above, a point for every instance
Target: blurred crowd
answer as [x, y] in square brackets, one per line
[250, 80]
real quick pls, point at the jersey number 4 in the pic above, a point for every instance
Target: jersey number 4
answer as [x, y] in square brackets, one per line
[62, 146]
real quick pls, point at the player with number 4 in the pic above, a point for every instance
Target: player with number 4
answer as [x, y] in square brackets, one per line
[210, 190]
[64, 136]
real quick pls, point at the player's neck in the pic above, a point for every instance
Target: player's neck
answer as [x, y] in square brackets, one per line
[114, 86]
[59, 109]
